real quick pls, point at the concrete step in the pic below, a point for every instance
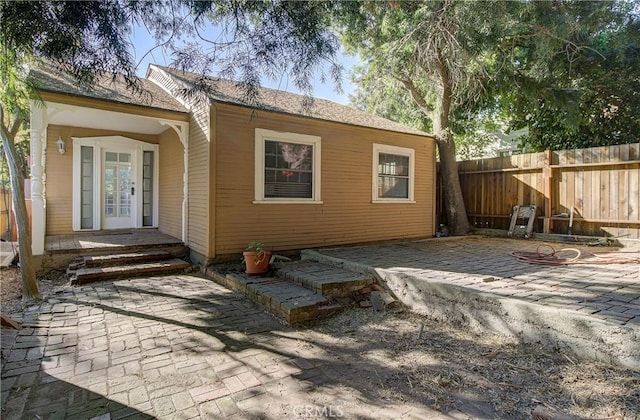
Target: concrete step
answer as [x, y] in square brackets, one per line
[324, 279]
[122, 259]
[289, 301]
[86, 275]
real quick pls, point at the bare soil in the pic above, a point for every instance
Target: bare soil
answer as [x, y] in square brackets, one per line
[408, 357]
[11, 288]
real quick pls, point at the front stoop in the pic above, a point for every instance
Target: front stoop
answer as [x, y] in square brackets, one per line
[324, 279]
[93, 268]
[289, 301]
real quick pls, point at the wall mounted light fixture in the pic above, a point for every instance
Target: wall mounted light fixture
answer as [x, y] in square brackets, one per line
[62, 147]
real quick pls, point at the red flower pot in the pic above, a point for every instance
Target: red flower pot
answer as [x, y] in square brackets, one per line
[256, 262]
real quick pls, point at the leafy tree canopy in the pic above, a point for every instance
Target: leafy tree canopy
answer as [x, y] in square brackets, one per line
[587, 94]
[565, 69]
[252, 38]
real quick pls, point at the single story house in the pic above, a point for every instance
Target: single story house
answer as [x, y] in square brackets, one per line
[216, 171]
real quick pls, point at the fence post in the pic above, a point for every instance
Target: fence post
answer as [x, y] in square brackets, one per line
[547, 173]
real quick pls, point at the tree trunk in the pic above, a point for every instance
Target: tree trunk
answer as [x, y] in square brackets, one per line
[457, 220]
[29, 282]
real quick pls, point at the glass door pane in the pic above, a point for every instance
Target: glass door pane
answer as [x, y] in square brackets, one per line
[147, 188]
[117, 189]
[86, 187]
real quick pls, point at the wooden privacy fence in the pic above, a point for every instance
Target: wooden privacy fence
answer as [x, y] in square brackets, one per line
[600, 185]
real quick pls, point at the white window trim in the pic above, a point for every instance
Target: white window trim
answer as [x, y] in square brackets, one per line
[394, 150]
[261, 135]
[99, 144]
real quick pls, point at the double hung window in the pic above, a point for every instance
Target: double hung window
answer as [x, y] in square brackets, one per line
[393, 174]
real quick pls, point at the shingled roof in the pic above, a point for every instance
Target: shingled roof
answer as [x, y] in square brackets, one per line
[150, 95]
[226, 91]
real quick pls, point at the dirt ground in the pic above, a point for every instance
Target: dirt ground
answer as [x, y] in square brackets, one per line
[11, 288]
[484, 376]
[403, 357]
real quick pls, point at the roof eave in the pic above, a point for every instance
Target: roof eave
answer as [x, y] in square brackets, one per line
[185, 114]
[292, 114]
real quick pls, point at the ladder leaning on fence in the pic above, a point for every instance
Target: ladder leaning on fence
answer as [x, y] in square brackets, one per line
[528, 215]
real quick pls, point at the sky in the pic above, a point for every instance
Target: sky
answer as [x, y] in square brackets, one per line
[143, 42]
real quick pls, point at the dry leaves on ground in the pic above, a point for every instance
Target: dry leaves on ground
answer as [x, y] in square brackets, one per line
[11, 288]
[447, 367]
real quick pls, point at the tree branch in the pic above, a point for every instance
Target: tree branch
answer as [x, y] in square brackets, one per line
[415, 95]
[15, 125]
[570, 44]
[3, 128]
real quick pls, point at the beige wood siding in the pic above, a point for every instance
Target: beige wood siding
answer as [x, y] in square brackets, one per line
[198, 212]
[346, 215]
[199, 147]
[170, 191]
[59, 173]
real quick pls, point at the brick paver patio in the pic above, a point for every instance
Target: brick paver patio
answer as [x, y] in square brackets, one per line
[610, 292]
[590, 307]
[184, 347]
[173, 347]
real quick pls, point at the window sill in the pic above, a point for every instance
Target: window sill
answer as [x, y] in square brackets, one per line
[285, 202]
[390, 200]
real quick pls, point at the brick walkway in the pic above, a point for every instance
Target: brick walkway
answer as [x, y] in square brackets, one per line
[173, 347]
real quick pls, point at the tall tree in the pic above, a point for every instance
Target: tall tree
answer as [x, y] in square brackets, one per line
[90, 39]
[432, 50]
[13, 100]
[84, 38]
[464, 62]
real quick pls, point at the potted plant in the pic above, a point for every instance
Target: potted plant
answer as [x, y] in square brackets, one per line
[256, 259]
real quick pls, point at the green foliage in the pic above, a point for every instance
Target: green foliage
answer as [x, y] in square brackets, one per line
[596, 92]
[14, 101]
[255, 247]
[261, 38]
[241, 39]
[22, 147]
[412, 49]
[386, 97]
[425, 42]
[258, 248]
[83, 38]
[567, 70]
[576, 79]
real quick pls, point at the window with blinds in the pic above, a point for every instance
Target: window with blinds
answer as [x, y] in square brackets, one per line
[287, 167]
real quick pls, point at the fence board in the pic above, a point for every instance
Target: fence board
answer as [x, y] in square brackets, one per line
[602, 184]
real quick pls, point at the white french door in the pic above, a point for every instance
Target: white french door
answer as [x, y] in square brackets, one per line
[115, 183]
[118, 187]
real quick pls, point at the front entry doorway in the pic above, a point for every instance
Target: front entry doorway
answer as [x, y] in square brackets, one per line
[115, 183]
[119, 188]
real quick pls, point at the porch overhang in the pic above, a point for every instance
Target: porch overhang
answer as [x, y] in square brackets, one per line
[99, 115]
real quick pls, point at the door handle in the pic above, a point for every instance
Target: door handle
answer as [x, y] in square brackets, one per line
[133, 190]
